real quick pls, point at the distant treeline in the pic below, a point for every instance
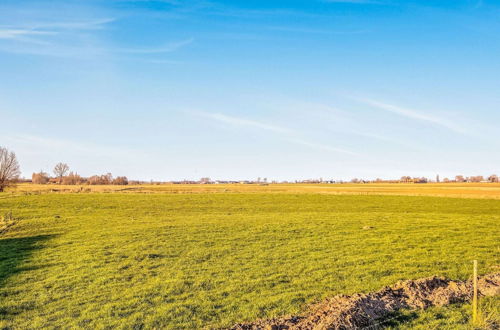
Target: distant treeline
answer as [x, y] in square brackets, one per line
[10, 171]
[458, 178]
[76, 179]
[61, 176]
[108, 179]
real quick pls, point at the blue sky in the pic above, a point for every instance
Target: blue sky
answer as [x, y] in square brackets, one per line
[177, 89]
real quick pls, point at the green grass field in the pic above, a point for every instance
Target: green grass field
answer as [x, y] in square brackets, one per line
[132, 260]
[454, 317]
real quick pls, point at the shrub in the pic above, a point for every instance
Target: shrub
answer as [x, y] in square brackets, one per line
[40, 178]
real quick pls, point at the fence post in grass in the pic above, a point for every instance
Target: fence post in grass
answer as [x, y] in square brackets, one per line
[474, 296]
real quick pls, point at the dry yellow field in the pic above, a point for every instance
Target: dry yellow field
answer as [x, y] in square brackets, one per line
[458, 190]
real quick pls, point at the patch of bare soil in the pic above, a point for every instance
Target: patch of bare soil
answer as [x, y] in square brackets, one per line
[365, 310]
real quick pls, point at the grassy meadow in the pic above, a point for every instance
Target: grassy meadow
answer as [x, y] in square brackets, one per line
[171, 259]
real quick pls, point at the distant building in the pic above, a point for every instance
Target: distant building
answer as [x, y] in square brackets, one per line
[205, 180]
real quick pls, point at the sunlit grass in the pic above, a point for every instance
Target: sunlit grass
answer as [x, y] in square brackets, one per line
[458, 316]
[210, 260]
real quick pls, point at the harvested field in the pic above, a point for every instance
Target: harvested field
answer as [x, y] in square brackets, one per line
[369, 310]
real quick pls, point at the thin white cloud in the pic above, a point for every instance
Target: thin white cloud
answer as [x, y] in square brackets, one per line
[70, 39]
[95, 24]
[236, 121]
[321, 147]
[288, 134]
[413, 114]
[315, 31]
[368, 2]
[56, 39]
[172, 2]
[49, 49]
[171, 47]
[52, 28]
[20, 33]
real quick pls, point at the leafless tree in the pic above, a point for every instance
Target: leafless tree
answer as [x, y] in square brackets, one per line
[107, 178]
[459, 178]
[9, 168]
[405, 179]
[94, 180]
[477, 178]
[60, 170]
[40, 178]
[420, 180]
[493, 178]
[100, 179]
[72, 179]
[120, 180]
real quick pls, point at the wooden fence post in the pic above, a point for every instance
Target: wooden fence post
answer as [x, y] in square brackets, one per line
[474, 297]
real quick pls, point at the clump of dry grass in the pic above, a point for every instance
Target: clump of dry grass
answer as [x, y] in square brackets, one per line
[6, 220]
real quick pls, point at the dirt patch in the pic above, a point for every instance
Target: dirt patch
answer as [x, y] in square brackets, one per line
[365, 310]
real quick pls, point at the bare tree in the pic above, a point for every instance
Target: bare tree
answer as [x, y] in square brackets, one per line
[101, 179]
[60, 170]
[405, 179]
[493, 178]
[120, 180]
[40, 178]
[107, 178]
[72, 179]
[477, 178]
[9, 168]
[94, 180]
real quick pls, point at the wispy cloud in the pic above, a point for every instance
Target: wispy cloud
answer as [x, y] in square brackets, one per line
[94, 24]
[20, 33]
[172, 2]
[233, 11]
[315, 31]
[236, 121]
[321, 146]
[369, 2]
[50, 28]
[76, 39]
[285, 133]
[164, 49]
[73, 38]
[345, 123]
[414, 114]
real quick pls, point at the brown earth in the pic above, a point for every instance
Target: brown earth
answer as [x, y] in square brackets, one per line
[366, 310]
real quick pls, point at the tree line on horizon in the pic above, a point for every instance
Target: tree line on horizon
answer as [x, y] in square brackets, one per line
[458, 178]
[10, 172]
[62, 175]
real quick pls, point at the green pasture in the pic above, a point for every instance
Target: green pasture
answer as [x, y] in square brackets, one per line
[98, 260]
